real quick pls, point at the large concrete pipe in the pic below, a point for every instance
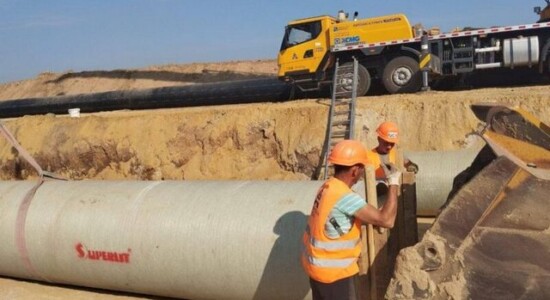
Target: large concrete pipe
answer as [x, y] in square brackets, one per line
[188, 239]
[437, 170]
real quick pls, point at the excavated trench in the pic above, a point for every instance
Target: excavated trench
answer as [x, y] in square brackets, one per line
[260, 141]
[244, 141]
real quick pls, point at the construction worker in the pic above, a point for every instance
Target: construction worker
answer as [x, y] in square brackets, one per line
[332, 235]
[385, 152]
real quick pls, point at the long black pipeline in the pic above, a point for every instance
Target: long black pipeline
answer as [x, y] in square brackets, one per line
[233, 92]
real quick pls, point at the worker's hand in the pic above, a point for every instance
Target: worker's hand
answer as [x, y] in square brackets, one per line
[393, 175]
[412, 167]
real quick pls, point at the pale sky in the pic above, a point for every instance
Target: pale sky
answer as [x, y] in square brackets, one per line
[62, 35]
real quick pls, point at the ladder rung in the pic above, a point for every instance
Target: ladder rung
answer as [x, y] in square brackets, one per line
[342, 102]
[343, 81]
[341, 112]
[340, 133]
[346, 71]
[341, 137]
[343, 122]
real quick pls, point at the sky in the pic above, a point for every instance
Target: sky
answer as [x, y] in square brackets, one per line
[76, 35]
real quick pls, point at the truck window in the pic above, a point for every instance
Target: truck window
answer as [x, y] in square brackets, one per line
[299, 33]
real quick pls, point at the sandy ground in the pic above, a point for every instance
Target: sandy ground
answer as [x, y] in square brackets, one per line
[253, 141]
[16, 289]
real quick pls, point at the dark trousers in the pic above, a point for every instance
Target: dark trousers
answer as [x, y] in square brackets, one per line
[343, 289]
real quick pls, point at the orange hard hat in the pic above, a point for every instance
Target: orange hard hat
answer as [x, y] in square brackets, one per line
[348, 153]
[389, 132]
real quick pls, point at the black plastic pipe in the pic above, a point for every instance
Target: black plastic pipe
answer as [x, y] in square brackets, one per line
[233, 92]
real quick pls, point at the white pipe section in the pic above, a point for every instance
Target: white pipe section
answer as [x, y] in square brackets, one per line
[488, 49]
[434, 179]
[186, 239]
[489, 65]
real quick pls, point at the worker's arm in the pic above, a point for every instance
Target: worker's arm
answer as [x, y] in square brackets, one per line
[385, 216]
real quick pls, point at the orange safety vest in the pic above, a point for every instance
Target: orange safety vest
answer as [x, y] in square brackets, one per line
[375, 160]
[324, 259]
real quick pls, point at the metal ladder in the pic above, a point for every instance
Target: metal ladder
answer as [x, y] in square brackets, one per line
[341, 117]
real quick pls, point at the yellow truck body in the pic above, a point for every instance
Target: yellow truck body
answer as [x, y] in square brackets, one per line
[306, 56]
[393, 54]
[372, 30]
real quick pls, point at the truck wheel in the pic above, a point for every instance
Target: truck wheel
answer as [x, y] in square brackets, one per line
[346, 79]
[402, 75]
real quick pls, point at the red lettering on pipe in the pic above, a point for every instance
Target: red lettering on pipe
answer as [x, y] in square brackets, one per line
[110, 256]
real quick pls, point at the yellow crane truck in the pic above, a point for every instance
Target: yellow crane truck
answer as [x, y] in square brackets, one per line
[390, 51]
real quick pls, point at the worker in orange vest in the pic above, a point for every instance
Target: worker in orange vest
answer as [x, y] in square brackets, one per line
[386, 152]
[332, 235]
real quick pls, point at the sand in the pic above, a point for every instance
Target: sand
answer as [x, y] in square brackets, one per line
[245, 141]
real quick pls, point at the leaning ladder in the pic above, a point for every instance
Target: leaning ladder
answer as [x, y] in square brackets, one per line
[341, 117]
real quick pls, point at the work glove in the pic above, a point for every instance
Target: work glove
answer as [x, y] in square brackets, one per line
[393, 175]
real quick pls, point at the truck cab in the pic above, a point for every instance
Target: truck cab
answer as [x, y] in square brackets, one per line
[305, 47]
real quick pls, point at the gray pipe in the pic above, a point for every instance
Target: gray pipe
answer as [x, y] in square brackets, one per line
[219, 93]
[434, 180]
[187, 239]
